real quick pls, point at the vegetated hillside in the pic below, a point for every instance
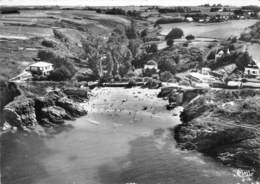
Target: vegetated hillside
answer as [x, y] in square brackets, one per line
[234, 53]
[225, 125]
[67, 31]
[252, 33]
[15, 55]
[174, 59]
[179, 58]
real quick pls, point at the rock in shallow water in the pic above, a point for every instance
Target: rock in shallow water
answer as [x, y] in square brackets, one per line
[55, 114]
[71, 107]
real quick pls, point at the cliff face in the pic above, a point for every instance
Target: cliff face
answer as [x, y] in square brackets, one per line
[224, 124]
[20, 113]
[8, 91]
[52, 108]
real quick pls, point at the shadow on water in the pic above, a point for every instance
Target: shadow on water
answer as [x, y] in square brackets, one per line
[153, 160]
[21, 153]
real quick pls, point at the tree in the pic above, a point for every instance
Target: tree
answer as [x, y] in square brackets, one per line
[134, 46]
[152, 48]
[243, 60]
[166, 76]
[190, 37]
[175, 33]
[165, 64]
[60, 74]
[169, 42]
[143, 33]
[131, 31]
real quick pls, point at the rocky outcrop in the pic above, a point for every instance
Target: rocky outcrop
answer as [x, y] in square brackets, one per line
[8, 91]
[54, 114]
[78, 94]
[224, 124]
[52, 108]
[179, 96]
[71, 107]
[20, 113]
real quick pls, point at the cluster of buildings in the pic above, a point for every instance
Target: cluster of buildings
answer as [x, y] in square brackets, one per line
[208, 78]
[252, 71]
[208, 15]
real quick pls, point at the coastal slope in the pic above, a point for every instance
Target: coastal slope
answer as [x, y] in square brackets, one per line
[224, 124]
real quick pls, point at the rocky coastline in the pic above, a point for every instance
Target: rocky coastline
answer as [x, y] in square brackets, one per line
[223, 124]
[26, 112]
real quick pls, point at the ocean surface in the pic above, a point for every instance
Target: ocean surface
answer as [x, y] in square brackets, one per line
[211, 30]
[125, 138]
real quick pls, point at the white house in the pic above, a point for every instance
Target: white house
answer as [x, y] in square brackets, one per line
[41, 68]
[205, 71]
[252, 70]
[151, 65]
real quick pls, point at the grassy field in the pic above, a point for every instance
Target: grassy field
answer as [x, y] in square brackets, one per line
[18, 33]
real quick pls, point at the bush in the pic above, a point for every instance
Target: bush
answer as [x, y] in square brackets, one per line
[186, 44]
[166, 76]
[233, 39]
[131, 83]
[149, 72]
[165, 64]
[175, 33]
[60, 74]
[56, 60]
[190, 37]
[117, 78]
[143, 33]
[169, 42]
[48, 43]
[152, 48]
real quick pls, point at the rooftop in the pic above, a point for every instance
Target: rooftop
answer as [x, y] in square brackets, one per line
[252, 66]
[41, 64]
[151, 62]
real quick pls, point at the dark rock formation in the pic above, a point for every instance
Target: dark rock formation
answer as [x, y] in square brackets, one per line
[78, 94]
[224, 124]
[52, 108]
[55, 114]
[20, 113]
[71, 107]
[179, 96]
[8, 91]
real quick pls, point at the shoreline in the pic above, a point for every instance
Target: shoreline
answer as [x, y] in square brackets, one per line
[211, 126]
[138, 92]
